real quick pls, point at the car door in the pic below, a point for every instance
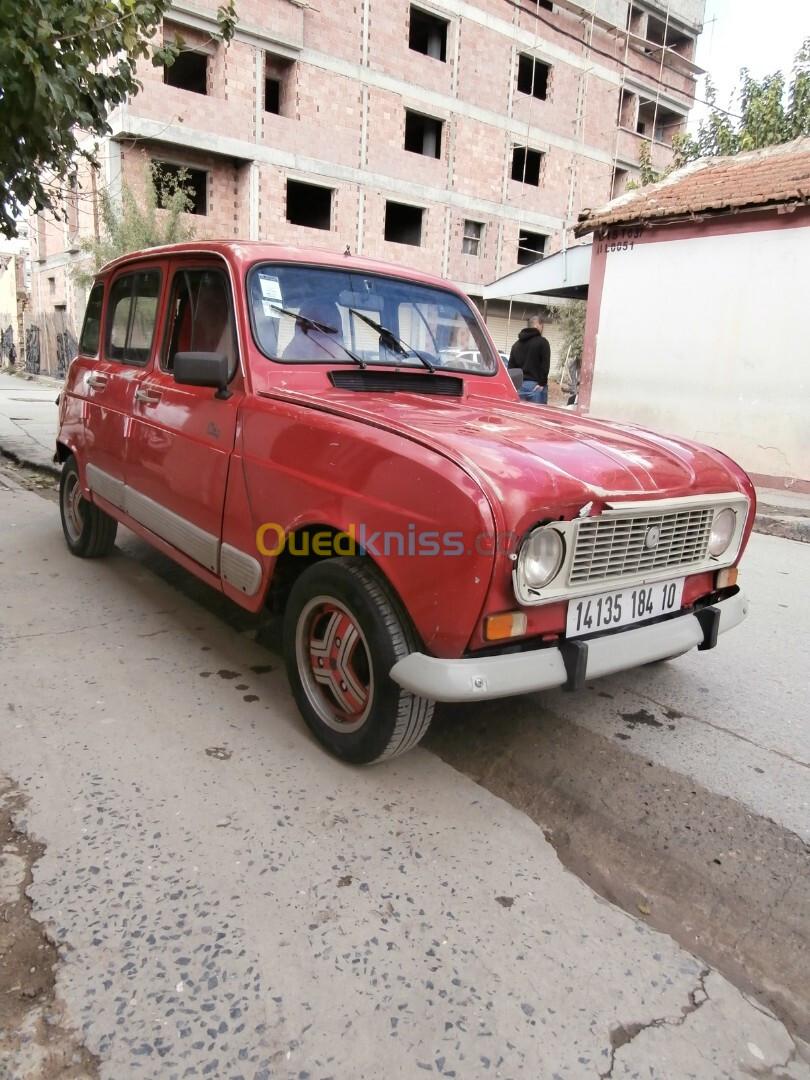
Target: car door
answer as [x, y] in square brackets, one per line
[182, 437]
[105, 384]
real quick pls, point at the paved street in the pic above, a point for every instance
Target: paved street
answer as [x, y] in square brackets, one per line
[28, 419]
[232, 902]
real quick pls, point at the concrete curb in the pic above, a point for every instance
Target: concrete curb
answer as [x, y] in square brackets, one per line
[38, 466]
[788, 526]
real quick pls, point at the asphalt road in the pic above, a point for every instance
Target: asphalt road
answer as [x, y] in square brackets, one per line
[229, 901]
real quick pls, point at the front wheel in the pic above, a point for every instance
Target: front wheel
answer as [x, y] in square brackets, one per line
[89, 532]
[343, 632]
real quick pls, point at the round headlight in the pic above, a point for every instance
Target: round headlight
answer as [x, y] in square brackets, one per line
[722, 531]
[540, 557]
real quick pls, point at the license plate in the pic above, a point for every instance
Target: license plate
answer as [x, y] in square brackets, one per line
[590, 614]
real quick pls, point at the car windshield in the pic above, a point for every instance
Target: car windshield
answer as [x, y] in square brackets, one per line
[315, 315]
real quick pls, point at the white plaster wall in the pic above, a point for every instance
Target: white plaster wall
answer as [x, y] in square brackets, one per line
[710, 338]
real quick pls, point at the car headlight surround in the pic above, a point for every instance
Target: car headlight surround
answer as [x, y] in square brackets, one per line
[541, 556]
[722, 532]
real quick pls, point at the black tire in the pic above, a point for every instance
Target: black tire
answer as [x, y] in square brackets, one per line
[344, 607]
[89, 532]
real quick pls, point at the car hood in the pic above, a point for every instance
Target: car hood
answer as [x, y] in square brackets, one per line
[526, 456]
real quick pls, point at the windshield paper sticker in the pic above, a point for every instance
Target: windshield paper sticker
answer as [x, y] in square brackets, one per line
[271, 293]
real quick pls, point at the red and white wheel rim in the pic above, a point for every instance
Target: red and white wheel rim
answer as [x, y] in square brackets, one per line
[334, 664]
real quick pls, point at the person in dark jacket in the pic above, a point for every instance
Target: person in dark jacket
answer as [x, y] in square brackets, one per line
[532, 354]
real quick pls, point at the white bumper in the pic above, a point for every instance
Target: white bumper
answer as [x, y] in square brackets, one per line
[474, 678]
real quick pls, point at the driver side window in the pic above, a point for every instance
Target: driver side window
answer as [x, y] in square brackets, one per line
[200, 317]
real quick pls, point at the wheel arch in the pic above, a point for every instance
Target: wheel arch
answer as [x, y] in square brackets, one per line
[63, 451]
[291, 562]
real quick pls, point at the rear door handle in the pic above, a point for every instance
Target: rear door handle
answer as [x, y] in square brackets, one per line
[97, 382]
[149, 397]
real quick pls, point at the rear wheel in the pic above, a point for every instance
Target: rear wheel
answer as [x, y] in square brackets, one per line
[89, 532]
[343, 632]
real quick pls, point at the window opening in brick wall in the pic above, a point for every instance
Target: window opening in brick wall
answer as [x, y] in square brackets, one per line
[272, 95]
[628, 104]
[195, 181]
[658, 122]
[309, 205]
[531, 247]
[188, 72]
[279, 84]
[658, 33]
[473, 234]
[533, 77]
[636, 20]
[620, 178]
[546, 5]
[403, 224]
[423, 134]
[427, 34]
[52, 285]
[526, 165]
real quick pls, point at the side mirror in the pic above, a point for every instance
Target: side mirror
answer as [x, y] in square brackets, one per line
[203, 369]
[516, 375]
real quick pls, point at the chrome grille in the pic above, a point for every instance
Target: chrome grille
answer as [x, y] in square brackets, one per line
[608, 548]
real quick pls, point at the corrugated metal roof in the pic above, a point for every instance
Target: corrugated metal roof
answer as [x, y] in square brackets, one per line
[775, 176]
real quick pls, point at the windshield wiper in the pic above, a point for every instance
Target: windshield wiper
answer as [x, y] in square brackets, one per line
[311, 324]
[389, 338]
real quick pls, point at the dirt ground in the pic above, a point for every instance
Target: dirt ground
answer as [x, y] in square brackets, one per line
[34, 1044]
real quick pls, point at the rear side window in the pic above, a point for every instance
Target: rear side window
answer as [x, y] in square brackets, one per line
[131, 317]
[91, 330]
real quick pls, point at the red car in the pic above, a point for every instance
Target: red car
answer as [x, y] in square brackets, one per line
[295, 428]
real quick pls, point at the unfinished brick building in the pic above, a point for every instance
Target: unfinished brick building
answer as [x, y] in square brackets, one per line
[460, 136]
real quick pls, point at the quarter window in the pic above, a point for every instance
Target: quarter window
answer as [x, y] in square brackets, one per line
[132, 316]
[91, 330]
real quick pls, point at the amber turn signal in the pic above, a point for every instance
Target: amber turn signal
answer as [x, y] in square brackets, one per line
[724, 578]
[507, 625]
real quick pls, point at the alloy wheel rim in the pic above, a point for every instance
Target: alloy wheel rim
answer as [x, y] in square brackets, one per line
[74, 518]
[334, 663]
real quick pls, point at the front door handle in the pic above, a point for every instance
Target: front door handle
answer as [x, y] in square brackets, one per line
[96, 382]
[149, 397]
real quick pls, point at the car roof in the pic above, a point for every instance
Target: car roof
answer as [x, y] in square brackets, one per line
[242, 254]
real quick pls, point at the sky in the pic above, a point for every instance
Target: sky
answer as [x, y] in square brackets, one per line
[764, 37]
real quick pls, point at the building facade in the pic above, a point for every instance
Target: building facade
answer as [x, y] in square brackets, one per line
[459, 136]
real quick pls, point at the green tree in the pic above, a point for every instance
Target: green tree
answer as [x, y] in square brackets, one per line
[772, 111]
[151, 220]
[570, 318]
[63, 67]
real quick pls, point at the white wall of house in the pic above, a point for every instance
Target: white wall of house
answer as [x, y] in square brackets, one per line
[708, 338]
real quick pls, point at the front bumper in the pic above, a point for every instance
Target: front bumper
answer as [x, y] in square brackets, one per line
[570, 664]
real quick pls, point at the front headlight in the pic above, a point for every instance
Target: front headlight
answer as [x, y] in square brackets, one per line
[540, 557]
[722, 531]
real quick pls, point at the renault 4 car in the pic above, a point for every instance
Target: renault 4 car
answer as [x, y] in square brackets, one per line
[338, 438]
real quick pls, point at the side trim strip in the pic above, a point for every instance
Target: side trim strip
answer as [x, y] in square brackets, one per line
[108, 487]
[236, 567]
[240, 570]
[193, 541]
